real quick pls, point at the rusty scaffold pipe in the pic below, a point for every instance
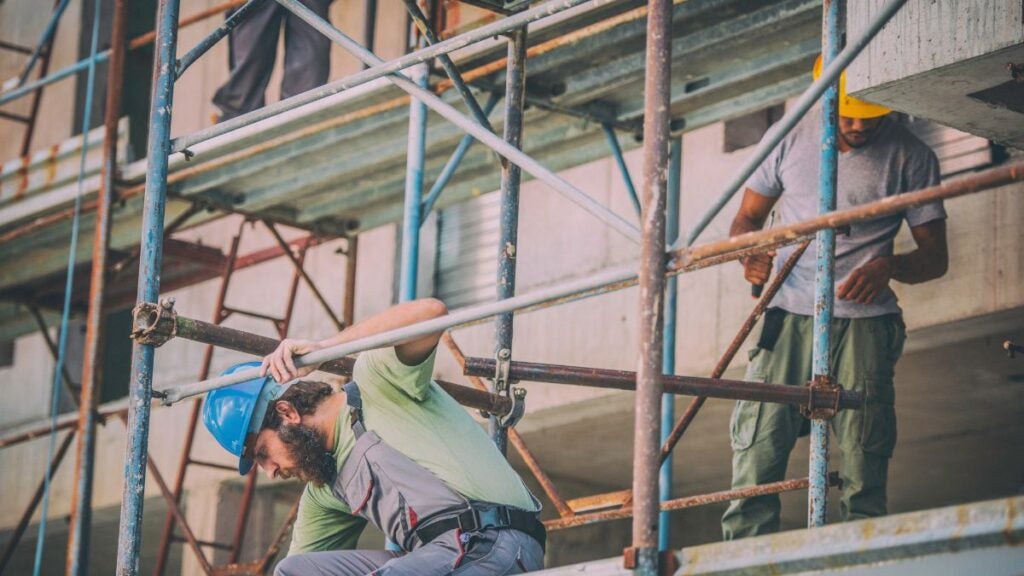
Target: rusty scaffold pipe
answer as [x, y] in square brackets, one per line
[685, 385]
[161, 324]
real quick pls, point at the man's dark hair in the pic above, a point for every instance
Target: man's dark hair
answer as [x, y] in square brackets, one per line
[304, 395]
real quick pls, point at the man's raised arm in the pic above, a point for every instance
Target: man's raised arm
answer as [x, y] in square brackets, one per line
[281, 365]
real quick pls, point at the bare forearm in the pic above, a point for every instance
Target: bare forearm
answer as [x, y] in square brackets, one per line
[917, 266]
[398, 316]
[742, 224]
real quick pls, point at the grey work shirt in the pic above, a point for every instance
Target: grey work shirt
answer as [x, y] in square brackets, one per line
[893, 163]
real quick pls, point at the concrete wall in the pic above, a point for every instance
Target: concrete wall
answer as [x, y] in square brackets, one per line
[557, 242]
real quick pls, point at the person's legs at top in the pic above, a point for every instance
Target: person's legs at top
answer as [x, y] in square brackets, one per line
[307, 52]
[763, 434]
[253, 51]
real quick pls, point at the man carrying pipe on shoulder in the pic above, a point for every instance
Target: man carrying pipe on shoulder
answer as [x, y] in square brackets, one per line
[392, 449]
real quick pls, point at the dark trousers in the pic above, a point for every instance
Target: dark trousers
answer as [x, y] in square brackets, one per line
[254, 49]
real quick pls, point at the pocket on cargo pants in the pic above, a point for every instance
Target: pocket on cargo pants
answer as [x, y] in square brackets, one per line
[746, 413]
[875, 433]
[743, 424]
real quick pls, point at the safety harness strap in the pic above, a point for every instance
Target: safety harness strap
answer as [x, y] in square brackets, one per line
[355, 408]
[483, 516]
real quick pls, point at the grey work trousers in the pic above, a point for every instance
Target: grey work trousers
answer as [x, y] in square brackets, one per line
[487, 553]
[253, 50]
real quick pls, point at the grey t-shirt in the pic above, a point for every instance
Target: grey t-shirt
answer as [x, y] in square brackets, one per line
[895, 162]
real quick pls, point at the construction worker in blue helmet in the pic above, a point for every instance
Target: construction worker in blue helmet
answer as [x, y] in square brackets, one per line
[392, 448]
[878, 157]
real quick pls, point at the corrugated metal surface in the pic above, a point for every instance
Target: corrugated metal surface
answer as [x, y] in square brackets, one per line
[467, 261]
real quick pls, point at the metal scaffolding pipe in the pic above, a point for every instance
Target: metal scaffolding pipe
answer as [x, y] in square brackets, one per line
[411, 213]
[624, 276]
[130, 535]
[649, 384]
[537, 13]
[620, 161]
[508, 219]
[40, 428]
[779, 130]
[224, 337]
[485, 137]
[77, 560]
[824, 276]
[190, 430]
[423, 26]
[668, 364]
[687, 502]
[673, 384]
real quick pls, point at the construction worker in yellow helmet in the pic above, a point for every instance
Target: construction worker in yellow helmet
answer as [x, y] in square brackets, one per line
[858, 120]
[879, 158]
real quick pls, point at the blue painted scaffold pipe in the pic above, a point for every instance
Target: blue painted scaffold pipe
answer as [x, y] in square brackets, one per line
[129, 540]
[515, 100]
[613, 143]
[412, 214]
[668, 361]
[824, 277]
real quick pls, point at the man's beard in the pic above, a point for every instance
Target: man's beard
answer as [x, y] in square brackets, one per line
[313, 461]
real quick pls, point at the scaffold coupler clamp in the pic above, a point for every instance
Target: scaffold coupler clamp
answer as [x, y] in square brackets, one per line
[823, 394]
[154, 324]
[502, 367]
[668, 564]
[518, 409]
[502, 387]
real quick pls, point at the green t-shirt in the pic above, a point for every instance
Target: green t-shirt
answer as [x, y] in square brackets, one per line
[415, 416]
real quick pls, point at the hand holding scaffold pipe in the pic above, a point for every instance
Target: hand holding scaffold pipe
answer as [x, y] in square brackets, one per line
[283, 363]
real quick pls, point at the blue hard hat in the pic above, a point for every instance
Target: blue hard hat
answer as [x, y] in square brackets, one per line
[232, 413]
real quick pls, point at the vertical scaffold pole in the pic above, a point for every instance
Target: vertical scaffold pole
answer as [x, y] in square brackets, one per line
[824, 278]
[413, 190]
[129, 540]
[668, 362]
[515, 97]
[81, 500]
[652, 289]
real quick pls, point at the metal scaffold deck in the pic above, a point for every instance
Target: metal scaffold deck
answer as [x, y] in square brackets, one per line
[578, 80]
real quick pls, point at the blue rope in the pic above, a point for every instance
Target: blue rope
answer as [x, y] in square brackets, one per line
[68, 285]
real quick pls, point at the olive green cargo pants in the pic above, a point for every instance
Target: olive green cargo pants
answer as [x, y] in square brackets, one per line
[864, 355]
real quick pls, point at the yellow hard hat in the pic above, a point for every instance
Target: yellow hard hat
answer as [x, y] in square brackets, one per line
[849, 106]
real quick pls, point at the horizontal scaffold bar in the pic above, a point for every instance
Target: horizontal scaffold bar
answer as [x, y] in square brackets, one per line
[685, 385]
[688, 501]
[624, 276]
[166, 326]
